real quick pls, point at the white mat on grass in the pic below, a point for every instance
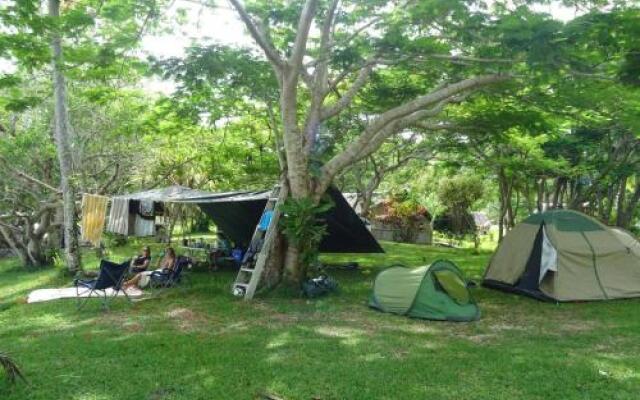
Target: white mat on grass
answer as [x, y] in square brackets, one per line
[41, 295]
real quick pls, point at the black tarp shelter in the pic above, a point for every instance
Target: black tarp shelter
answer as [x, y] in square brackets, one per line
[237, 214]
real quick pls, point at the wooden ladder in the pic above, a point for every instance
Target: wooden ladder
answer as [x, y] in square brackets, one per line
[257, 254]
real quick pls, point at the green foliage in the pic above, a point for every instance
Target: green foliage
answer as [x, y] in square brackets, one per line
[303, 226]
[406, 214]
[57, 260]
[460, 193]
[218, 80]
[201, 223]
[113, 240]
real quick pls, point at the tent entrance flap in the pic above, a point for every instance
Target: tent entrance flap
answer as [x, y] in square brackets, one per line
[549, 256]
[453, 285]
[530, 279]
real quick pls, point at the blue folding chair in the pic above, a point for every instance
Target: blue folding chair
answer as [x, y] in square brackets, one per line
[111, 276]
[171, 277]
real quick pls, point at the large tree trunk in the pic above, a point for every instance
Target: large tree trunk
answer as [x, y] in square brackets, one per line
[63, 147]
[294, 270]
[297, 168]
[273, 271]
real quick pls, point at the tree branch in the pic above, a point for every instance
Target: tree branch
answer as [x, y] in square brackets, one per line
[170, 171]
[438, 125]
[259, 36]
[359, 30]
[333, 84]
[322, 67]
[397, 118]
[11, 227]
[461, 58]
[456, 59]
[375, 19]
[302, 36]
[318, 87]
[448, 92]
[111, 180]
[346, 99]
[29, 177]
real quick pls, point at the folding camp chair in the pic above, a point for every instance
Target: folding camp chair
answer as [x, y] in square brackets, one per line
[170, 278]
[111, 276]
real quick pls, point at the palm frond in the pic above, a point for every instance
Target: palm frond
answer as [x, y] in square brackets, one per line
[11, 369]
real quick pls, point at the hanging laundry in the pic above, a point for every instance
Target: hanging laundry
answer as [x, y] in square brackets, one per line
[134, 206]
[94, 209]
[146, 208]
[158, 208]
[119, 216]
[144, 226]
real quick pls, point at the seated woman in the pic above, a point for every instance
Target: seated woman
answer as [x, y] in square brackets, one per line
[141, 262]
[167, 263]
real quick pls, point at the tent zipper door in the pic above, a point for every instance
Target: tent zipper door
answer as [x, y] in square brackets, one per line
[256, 256]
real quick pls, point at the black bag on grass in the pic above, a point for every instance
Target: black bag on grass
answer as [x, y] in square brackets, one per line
[319, 286]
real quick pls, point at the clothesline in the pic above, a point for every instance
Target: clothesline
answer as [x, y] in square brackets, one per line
[127, 217]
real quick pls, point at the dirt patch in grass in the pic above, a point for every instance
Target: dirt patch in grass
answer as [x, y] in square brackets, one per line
[270, 315]
[187, 320]
[133, 327]
[481, 338]
[576, 325]
[130, 323]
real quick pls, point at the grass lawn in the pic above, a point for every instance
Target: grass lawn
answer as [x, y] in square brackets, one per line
[198, 342]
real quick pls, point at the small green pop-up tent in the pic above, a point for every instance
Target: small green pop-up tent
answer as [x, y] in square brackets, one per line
[437, 291]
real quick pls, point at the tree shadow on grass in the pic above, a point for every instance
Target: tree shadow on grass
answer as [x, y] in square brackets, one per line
[203, 343]
[17, 285]
[356, 353]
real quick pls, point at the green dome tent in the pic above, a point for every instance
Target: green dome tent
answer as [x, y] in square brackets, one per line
[564, 255]
[437, 291]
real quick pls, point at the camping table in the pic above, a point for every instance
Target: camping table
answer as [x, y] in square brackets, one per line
[198, 254]
[210, 256]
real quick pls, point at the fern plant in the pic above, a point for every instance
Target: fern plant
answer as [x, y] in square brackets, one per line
[304, 227]
[11, 369]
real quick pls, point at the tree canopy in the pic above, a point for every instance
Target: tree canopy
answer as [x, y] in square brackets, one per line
[372, 96]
